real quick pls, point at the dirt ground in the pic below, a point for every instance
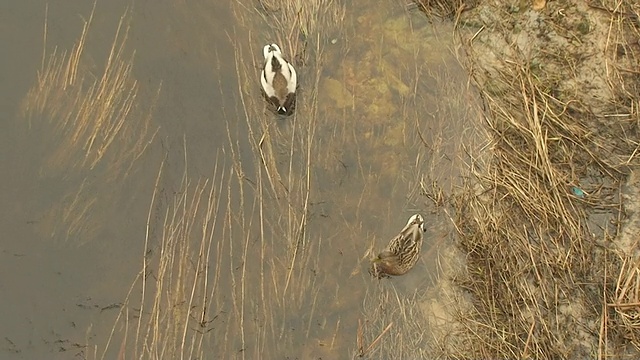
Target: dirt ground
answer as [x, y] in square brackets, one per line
[549, 225]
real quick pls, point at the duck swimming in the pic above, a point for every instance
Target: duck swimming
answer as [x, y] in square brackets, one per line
[279, 79]
[403, 251]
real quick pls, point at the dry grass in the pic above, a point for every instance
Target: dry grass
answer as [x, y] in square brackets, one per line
[626, 301]
[542, 261]
[171, 306]
[394, 327]
[169, 309]
[91, 112]
[623, 34]
[446, 9]
[89, 123]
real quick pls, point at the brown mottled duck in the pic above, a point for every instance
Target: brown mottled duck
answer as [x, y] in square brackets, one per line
[403, 251]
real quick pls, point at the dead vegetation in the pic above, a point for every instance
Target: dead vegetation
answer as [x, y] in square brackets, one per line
[89, 112]
[445, 9]
[540, 223]
[87, 121]
[172, 305]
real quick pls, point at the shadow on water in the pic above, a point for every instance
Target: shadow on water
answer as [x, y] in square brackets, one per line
[157, 175]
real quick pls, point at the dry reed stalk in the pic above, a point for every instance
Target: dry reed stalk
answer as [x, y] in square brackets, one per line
[91, 114]
[448, 9]
[536, 267]
[626, 302]
[384, 308]
[175, 311]
[93, 124]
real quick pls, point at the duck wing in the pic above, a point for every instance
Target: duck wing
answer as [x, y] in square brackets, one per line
[293, 79]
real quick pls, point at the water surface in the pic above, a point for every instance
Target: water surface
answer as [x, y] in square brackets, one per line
[298, 202]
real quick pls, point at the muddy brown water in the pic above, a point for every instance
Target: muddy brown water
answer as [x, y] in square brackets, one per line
[73, 235]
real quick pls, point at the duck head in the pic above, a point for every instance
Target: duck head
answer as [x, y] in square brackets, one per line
[414, 226]
[279, 79]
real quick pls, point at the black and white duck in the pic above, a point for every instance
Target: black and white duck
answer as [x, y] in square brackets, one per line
[279, 80]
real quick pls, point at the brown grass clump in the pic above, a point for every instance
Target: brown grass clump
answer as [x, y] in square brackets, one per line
[539, 222]
[447, 9]
[627, 301]
[90, 113]
[91, 126]
[530, 251]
